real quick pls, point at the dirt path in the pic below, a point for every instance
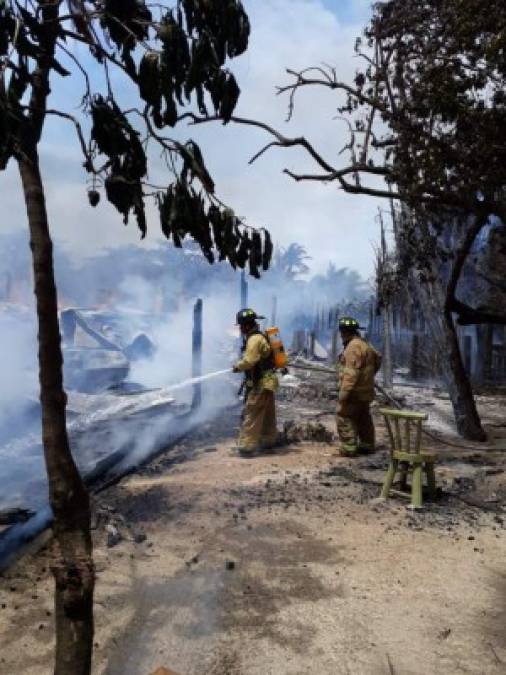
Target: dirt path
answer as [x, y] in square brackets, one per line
[281, 564]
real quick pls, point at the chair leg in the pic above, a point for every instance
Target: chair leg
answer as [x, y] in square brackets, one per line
[389, 478]
[403, 477]
[416, 488]
[431, 480]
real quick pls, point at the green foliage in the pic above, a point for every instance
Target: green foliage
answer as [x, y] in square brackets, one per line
[439, 86]
[170, 56]
[183, 212]
[429, 112]
[290, 262]
[194, 45]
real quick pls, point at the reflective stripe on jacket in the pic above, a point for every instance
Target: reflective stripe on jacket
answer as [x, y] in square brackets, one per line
[356, 367]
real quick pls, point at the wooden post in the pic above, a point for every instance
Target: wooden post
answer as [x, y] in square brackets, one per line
[370, 327]
[299, 341]
[312, 338]
[197, 353]
[502, 373]
[467, 353]
[489, 346]
[244, 290]
[335, 338]
[415, 357]
[274, 310]
[388, 376]
[68, 326]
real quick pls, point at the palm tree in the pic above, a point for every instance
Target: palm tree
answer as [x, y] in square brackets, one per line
[290, 261]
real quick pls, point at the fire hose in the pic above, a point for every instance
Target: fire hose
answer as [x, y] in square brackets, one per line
[391, 399]
[330, 371]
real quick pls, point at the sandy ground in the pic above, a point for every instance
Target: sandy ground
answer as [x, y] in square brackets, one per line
[282, 564]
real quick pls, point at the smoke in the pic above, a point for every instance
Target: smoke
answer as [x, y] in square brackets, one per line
[134, 290]
[172, 337]
[18, 365]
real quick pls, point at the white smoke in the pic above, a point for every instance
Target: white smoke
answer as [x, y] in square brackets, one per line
[18, 364]
[158, 299]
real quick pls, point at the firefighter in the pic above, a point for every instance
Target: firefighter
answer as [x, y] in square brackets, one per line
[258, 427]
[357, 365]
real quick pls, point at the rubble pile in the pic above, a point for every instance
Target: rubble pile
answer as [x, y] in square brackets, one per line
[309, 431]
[309, 391]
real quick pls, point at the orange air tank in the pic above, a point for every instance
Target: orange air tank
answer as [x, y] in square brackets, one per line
[278, 349]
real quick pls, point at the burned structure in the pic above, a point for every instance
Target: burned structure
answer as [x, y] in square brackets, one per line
[98, 347]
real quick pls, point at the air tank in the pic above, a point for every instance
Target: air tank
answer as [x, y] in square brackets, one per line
[278, 349]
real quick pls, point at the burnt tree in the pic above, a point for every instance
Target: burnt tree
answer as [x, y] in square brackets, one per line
[386, 286]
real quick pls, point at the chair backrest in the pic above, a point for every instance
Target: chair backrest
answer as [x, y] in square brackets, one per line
[404, 442]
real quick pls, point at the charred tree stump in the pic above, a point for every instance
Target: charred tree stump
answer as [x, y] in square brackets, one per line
[197, 353]
[414, 367]
[274, 310]
[335, 339]
[488, 352]
[502, 361]
[312, 340]
[299, 341]
[68, 326]
[370, 323]
[244, 290]
[388, 377]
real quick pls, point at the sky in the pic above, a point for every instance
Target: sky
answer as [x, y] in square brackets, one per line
[331, 225]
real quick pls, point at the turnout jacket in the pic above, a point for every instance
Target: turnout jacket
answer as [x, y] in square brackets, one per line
[257, 363]
[356, 367]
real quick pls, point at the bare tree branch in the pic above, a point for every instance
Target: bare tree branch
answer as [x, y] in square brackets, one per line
[468, 316]
[84, 148]
[331, 82]
[323, 178]
[281, 139]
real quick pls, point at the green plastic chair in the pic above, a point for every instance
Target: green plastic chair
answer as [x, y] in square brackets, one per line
[406, 455]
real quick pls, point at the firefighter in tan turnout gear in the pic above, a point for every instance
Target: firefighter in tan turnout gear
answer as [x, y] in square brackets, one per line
[357, 365]
[258, 428]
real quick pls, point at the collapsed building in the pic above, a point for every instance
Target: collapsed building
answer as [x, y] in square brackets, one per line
[98, 346]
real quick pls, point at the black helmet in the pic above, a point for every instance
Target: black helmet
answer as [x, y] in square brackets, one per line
[347, 323]
[247, 316]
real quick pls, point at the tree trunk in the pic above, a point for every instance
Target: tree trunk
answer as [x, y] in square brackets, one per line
[502, 373]
[72, 560]
[445, 340]
[479, 372]
[388, 374]
[489, 349]
[414, 365]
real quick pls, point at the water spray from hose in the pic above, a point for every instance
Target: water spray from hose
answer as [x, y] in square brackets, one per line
[197, 380]
[115, 406]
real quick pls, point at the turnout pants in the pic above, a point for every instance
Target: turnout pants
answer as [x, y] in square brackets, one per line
[258, 428]
[355, 426]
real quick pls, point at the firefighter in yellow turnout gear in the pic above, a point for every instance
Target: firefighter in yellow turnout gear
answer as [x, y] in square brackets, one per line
[258, 428]
[357, 365]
